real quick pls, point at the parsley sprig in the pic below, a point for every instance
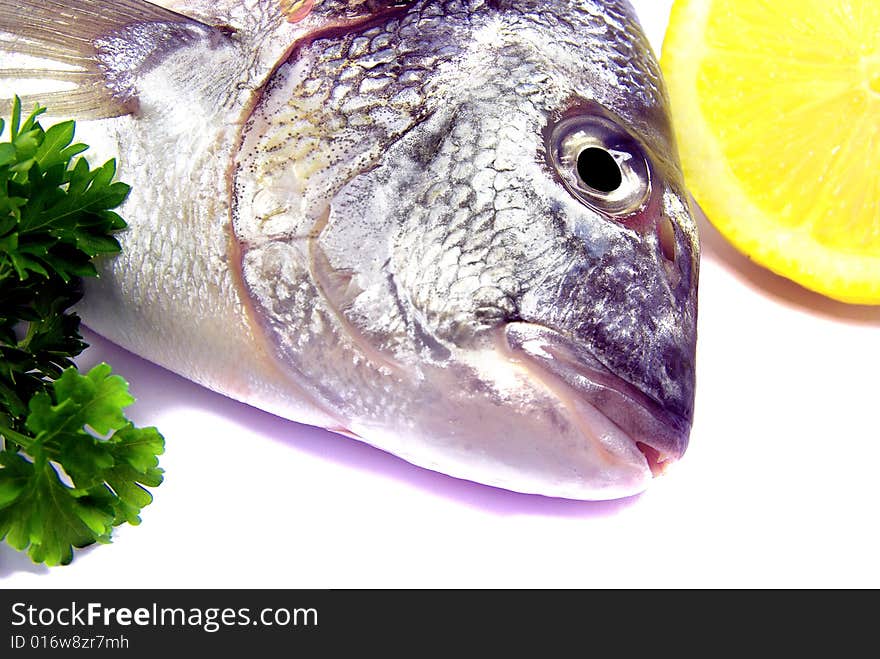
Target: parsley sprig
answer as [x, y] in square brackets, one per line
[71, 465]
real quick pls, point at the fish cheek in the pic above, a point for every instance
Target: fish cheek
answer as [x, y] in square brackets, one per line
[444, 229]
[476, 229]
[375, 212]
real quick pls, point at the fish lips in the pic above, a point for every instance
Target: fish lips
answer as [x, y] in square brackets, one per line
[578, 376]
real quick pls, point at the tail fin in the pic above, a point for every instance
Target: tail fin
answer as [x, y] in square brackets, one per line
[67, 41]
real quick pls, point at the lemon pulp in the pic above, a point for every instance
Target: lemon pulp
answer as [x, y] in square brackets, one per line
[872, 66]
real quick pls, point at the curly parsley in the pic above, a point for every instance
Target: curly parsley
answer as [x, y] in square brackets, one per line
[71, 465]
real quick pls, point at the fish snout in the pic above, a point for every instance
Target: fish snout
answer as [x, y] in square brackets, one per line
[658, 429]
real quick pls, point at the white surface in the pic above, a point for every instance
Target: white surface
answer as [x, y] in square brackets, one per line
[778, 488]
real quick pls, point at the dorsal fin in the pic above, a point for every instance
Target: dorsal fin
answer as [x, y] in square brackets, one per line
[72, 42]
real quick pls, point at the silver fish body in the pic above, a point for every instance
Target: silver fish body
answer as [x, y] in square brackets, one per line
[454, 230]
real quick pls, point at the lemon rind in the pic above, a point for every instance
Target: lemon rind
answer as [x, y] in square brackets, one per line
[790, 252]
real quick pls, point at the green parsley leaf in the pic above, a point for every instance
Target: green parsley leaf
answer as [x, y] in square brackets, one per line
[78, 432]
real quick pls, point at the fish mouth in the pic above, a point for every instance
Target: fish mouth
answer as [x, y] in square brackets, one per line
[577, 377]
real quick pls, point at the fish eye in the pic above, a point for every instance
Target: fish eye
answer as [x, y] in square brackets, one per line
[598, 169]
[601, 164]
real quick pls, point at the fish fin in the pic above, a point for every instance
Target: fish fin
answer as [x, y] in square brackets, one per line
[338, 285]
[92, 49]
[342, 430]
[340, 289]
[296, 10]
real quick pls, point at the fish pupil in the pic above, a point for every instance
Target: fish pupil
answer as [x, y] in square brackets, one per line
[599, 170]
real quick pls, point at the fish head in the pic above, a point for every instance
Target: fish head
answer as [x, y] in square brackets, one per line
[520, 260]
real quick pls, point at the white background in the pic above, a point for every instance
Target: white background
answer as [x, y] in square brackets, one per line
[778, 488]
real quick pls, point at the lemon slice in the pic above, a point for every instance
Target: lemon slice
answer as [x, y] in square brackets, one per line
[776, 106]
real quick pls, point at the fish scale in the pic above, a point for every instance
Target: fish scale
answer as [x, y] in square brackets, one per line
[370, 216]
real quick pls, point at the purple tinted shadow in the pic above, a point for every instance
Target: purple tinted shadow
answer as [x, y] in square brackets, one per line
[12, 562]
